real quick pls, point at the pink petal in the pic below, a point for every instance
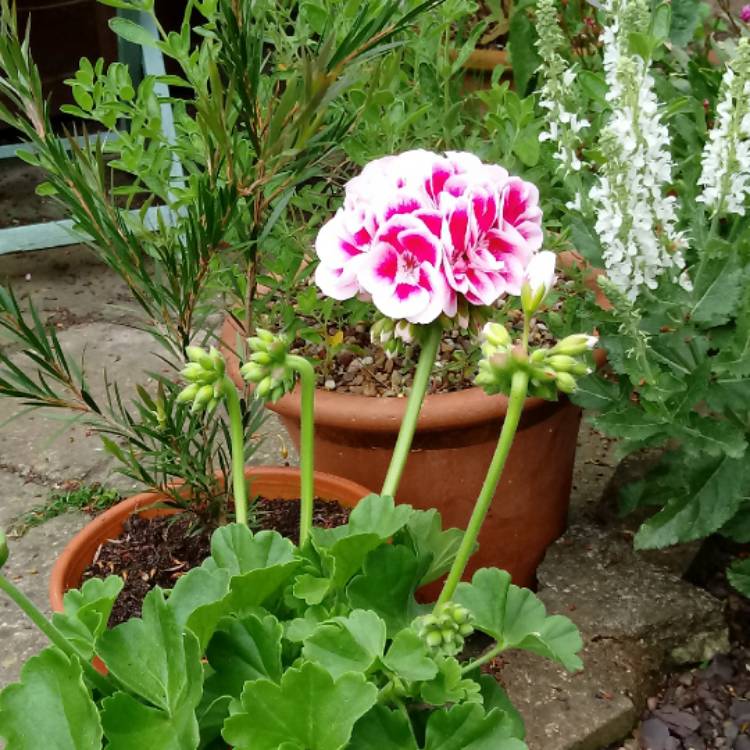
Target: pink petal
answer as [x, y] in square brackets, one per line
[432, 219]
[333, 245]
[336, 283]
[423, 245]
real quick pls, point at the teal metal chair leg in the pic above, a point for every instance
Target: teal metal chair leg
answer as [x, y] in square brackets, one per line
[143, 61]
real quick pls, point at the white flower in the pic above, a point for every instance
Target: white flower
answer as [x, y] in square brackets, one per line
[635, 220]
[540, 278]
[725, 165]
[563, 126]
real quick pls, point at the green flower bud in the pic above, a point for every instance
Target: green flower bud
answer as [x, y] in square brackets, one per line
[262, 358]
[447, 635]
[574, 345]
[186, 395]
[265, 336]
[565, 382]
[4, 552]
[561, 362]
[195, 353]
[466, 629]
[496, 334]
[433, 639]
[202, 398]
[192, 372]
[217, 361]
[253, 372]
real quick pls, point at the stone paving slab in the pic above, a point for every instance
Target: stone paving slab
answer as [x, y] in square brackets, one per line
[28, 567]
[18, 496]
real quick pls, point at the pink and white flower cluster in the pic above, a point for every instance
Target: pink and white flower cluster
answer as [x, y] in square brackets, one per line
[419, 230]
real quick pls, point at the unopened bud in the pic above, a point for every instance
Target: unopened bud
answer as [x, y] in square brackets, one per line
[496, 334]
[575, 345]
[565, 382]
[187, 395]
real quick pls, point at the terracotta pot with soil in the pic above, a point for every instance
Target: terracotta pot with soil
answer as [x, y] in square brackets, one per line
[456, 436]
[281, 484]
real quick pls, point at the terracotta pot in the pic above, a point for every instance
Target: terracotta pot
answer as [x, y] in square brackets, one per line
[271, 482]
[453, 446]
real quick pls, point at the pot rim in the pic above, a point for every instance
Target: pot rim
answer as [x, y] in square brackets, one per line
[97, 531]
[440, 411]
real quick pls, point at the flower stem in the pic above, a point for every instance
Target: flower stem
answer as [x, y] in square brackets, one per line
[488, 656]
[237, 438]
[54, 635]
[307, 442]
[427, 356]
[519, 387]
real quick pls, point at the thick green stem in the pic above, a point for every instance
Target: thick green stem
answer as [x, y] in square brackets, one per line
[519, 387]
[307, 442]
[237, 438]
[427, 357]
[55, 636]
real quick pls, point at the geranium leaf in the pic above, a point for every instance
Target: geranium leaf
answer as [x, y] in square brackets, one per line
[259, 565]
[311, 589]
[434, 547]
[739, 576]
[235, 548]
[449, 685]
[199, 601]
[383, 729]
[407, 656]
[494, 697]
[387, 584]
[242, 650]
[309, 710]
[152, 657]
[468, 727]
[379, 514]
[347, 644]
[86, 612]
[516, 618]
[50, 707]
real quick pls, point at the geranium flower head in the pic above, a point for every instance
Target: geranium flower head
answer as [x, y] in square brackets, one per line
[418, 231]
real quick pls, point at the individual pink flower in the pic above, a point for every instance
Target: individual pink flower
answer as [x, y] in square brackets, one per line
[401, 271]
[745, 13]
[419, 229]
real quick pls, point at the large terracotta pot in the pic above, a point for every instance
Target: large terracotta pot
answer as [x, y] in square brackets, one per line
[452, 449]
[270, 482]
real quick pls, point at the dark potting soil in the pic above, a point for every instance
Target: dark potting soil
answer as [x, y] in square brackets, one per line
[157, 551]
[361, 367]
[708, 707]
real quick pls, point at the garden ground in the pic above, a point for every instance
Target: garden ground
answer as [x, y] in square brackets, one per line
[634, 610]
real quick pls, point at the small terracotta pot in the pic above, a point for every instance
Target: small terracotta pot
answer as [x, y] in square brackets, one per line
[270, 482]
[452, 449]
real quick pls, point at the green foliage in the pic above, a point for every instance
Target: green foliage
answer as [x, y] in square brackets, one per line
[352, 671]
[92, 498]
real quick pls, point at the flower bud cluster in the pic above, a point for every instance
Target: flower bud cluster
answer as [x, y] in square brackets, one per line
[549, 370]
[444, 631]
[205, 372]
[268, 367]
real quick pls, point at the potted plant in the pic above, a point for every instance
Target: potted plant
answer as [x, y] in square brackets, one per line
[320, 645]
[356, 433]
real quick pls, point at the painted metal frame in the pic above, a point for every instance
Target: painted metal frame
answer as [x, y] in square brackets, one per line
[142, 61]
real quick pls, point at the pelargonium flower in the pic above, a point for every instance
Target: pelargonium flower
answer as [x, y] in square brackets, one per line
[419, 230]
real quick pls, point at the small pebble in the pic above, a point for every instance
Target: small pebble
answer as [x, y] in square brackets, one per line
[330, 384]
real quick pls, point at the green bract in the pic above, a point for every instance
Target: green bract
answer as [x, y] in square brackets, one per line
[351, 671]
